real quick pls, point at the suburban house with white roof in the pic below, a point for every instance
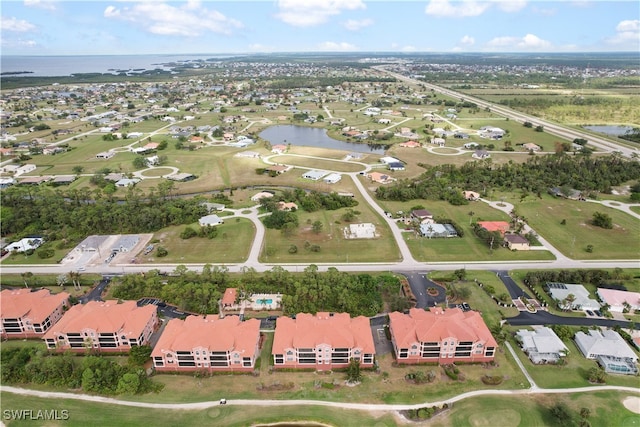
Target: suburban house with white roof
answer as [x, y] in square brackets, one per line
[581, 298]
[609, 349]
[542, 345]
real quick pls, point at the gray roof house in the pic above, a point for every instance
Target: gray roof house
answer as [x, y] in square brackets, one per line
[582, 299]
[609, 349]
[210, 220]
[542, 345]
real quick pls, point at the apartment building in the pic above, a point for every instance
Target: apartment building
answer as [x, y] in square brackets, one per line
[208, 343]
[27, 314]
[441, 336]
[323, 341]
[103, 326]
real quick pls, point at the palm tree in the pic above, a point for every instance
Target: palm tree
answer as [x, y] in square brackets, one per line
[26, 275]
[471, 214]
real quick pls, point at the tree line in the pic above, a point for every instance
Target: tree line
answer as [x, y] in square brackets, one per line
[92, 374]
[310, 291]
[75, 214]
[446, 182]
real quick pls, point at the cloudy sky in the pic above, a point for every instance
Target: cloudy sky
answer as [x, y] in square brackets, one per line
[66, 27]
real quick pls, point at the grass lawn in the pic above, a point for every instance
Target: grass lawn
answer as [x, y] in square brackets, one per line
[480, 301]
[99, 414]
[315, 163]
[231, 245]
[545, 216]
[512, 411]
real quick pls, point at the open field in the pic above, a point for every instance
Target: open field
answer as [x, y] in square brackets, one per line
[231, 245]
[315, 163]
[545, 216]
[334, 247]
[579, 106]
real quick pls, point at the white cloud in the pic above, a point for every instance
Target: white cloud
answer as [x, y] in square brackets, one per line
[336, 47]
[354, 25]
[627, 33]
[628, 26]
[461, 9]
[467, 41]
[17, 43]
[526, 43]
[191, 19]
[512, 5]
[16, 25]
[42, 4]
[408, 49]
[307, 13]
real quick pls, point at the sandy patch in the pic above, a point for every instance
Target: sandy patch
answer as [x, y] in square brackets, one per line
[632, 403]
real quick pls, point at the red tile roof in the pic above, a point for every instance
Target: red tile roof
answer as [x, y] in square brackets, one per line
[436, 325]
[501, 226]
[308, 331]
[229, 297]
[126, 318]
[37, 305]
[210, 332]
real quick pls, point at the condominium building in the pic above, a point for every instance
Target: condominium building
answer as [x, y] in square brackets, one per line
[27, 314]
[208, 343]
[441, 336]
[323, 341]
[103, 326]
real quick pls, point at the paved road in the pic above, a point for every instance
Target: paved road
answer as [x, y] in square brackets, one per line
[419, 283]
[542, 317]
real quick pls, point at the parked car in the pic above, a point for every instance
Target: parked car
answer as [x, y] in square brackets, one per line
[598, 313]
[589, 312]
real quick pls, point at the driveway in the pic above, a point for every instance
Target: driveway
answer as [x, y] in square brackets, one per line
[96, 293]
[514, 290]
[419, 284]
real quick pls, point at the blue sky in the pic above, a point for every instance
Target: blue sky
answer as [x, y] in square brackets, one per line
[56, 27]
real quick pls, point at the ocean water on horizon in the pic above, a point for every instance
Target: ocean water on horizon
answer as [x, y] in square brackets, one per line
[55, 66]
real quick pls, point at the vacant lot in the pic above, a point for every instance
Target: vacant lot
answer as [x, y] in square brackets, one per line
[572, 238]
[231, 245]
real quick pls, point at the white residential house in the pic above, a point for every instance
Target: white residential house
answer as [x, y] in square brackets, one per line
[581, 297]
[542, 345]
[332, 178]
[609, 349]
[314, 175]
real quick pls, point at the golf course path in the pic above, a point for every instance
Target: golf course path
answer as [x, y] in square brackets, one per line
[343, 405]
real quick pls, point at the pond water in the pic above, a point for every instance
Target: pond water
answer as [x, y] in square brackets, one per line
[614, 130]
[314, 137]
